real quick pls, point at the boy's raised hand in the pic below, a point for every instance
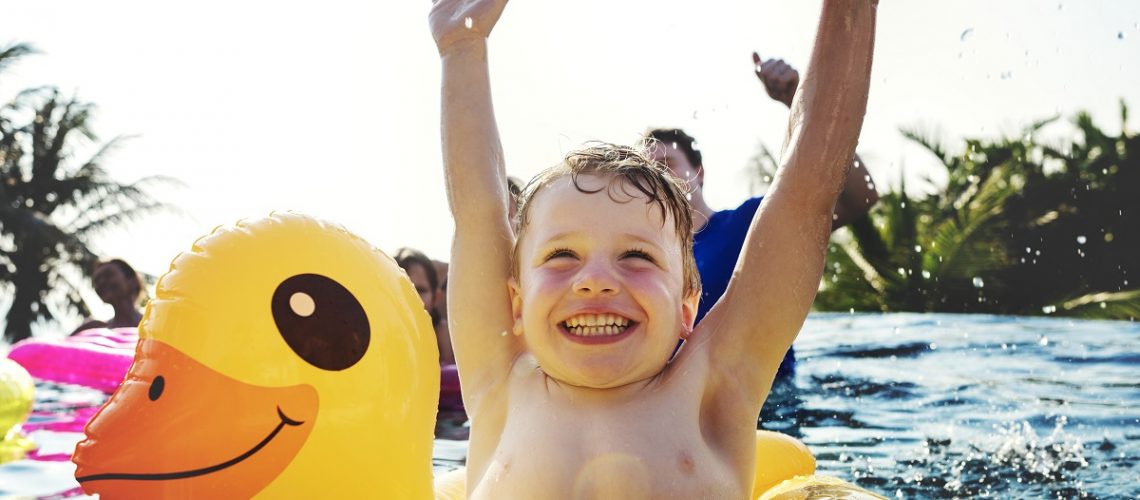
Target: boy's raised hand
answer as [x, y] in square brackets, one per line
[453, 21]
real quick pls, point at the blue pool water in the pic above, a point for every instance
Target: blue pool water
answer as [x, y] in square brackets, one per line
[907, 405]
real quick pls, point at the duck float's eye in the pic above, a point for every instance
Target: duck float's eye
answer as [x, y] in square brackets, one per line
[321, 321]
[156, 388]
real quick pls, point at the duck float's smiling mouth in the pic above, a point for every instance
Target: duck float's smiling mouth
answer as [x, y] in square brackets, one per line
[162, 476]
[178, 426]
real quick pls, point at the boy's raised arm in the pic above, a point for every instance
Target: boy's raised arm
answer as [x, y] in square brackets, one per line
[479, 306]
[780, 265]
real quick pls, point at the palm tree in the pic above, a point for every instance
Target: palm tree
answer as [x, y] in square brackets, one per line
[51, 205]
[1020, 228]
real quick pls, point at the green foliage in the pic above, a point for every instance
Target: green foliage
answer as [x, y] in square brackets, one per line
[51, 204]
[1021, 227]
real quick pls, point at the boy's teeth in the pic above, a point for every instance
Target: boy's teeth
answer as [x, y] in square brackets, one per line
[594, 331]
[597, 320]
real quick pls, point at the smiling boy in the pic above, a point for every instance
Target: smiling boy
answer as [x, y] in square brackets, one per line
[566, 369]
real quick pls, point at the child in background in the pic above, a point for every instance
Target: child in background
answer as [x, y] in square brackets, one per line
[421, 272]
[567, 371]
[119, 285]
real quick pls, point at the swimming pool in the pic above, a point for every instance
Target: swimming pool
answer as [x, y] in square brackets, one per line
[908, 405]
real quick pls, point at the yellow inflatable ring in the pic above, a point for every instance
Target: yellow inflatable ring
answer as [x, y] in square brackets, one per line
[16, 395]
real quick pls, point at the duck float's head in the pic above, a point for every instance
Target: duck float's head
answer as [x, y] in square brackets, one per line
[281, 357]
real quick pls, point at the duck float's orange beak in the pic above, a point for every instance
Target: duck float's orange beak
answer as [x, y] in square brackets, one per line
[166, 433]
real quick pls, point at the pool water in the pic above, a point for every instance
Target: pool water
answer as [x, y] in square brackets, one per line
[907, 405]
[925, 405]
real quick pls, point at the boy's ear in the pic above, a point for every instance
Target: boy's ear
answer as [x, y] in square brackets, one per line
[689, 314]
[516, 306]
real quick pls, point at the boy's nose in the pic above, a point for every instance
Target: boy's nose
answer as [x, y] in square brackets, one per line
[595, 281]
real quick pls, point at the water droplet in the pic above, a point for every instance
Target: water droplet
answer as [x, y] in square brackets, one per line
[1081, 240]
[966, 34]
[1103, 305]
[1049, 309]
[468, 23]
[933, 346]
[978, 283]
[926, 274]
[918, 248]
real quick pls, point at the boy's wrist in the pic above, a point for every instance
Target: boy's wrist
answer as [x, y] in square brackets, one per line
[465, 45]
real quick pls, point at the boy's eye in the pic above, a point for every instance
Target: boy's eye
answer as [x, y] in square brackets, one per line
[638, 254]
[559, 254]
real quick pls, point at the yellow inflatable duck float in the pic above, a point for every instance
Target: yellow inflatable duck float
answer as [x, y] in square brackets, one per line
[285, 357]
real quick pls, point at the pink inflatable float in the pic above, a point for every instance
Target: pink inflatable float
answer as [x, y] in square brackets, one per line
[97, 358]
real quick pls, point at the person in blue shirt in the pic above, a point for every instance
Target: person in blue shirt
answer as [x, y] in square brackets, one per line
[720, 234]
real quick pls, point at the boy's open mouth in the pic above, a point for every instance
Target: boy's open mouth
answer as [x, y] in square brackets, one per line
[597, 326]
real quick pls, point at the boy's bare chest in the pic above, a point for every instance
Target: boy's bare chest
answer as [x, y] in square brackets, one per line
[567, 448]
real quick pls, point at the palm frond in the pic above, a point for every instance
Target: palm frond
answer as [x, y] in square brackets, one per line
[922, 139]
[1121, 305]
[12, 53]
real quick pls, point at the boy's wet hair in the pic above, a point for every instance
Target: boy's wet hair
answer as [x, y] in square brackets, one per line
[627, 167]
[679, 140]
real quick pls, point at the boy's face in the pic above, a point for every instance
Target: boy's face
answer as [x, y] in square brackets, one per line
[599, 296]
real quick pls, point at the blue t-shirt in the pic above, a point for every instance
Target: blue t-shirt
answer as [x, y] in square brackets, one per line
[716, 247]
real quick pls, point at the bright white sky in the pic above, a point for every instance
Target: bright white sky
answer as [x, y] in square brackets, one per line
[333, 109]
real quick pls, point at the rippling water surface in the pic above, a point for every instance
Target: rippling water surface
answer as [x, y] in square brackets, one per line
[949, 405]
[908, 405]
